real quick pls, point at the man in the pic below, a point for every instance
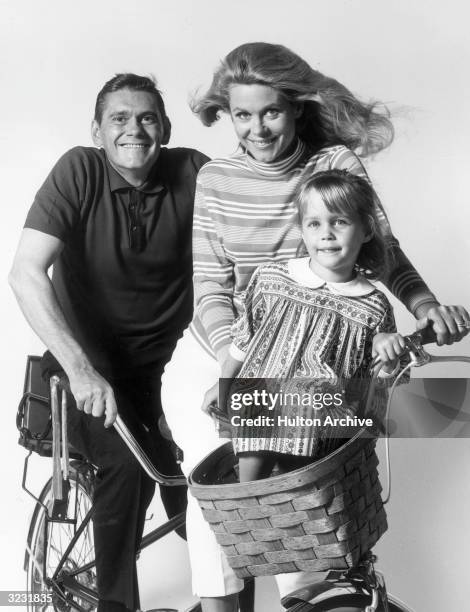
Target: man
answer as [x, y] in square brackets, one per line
[116, 223]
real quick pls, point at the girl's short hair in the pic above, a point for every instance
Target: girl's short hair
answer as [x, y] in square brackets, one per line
[351, 195]
[331, 113]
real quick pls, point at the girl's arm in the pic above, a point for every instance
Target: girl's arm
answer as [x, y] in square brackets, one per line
[388, 347]
[404, 281]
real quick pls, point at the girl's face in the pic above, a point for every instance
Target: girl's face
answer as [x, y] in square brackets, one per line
[333, 240]
[264, 121]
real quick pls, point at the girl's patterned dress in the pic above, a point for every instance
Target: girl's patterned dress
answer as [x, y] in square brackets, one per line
[295, 325]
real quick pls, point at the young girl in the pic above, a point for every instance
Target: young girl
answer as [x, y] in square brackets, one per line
[316, 317]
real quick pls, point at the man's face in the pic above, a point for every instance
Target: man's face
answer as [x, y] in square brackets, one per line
[131, 132]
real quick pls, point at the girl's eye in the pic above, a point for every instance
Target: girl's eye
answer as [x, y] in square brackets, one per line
[242, 116]
[314, 224]
[341, 222]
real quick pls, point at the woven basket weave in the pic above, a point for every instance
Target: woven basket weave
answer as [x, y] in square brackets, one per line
[324, 516]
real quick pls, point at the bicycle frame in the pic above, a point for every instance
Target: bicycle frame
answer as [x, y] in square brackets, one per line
[64, 583]
[371, 580]
[58, 581]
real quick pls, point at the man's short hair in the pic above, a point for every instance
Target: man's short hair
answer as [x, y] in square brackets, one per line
[131, 81]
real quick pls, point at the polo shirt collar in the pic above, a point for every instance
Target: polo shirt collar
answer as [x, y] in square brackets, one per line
[299, 270]
[153, 184]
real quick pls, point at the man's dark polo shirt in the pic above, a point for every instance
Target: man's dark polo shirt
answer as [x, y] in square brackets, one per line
[124, 277]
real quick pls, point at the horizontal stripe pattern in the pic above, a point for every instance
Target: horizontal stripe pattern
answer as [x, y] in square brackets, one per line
[245, 216]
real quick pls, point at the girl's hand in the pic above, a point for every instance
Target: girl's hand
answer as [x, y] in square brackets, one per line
[450, 323]
[387, 349]
[211, 400]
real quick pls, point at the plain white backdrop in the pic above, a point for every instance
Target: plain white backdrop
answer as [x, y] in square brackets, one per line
[412, 55]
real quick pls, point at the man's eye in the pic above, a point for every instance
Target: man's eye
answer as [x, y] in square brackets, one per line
[118, 119]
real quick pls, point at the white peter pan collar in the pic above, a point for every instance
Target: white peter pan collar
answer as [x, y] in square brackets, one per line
[299, 270]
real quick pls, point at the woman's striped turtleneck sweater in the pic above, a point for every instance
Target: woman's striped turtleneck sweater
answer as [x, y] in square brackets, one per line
[244, 216]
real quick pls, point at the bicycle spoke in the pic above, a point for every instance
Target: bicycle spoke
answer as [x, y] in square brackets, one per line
[51, 547]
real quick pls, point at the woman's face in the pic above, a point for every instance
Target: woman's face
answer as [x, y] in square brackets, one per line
[264, 121]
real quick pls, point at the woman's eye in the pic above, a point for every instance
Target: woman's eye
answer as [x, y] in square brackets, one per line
[272, 113]
[242, 116]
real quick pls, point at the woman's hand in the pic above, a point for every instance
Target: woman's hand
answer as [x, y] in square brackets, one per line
[211, 400]
[387, 349]
[450, 323]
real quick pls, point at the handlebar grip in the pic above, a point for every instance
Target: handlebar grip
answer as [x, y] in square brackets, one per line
[423, 336]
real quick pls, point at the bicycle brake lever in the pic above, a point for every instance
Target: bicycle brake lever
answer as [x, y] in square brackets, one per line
[414, 347]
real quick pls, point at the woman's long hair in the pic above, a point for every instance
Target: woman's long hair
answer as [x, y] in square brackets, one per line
[353, 196]
[331, 113]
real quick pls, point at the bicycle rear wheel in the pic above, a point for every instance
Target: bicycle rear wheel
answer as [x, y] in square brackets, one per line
[74, 587]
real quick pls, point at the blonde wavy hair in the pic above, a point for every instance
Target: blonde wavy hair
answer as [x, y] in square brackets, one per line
[331, 113]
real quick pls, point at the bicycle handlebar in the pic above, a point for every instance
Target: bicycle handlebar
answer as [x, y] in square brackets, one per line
[423, 336]
[129, 440]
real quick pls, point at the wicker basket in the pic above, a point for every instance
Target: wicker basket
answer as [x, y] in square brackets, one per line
[324, 516]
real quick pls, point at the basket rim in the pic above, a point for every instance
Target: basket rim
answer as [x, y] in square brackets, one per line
[267, 485]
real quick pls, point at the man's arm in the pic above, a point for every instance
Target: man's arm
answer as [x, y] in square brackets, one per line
[33, 289]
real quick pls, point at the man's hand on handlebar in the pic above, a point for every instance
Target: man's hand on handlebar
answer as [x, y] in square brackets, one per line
[450, 323]
[94, 395]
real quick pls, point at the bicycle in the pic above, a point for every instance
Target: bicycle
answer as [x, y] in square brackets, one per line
[363, 589]
[59, 555]
[298, 503]
[59, 558]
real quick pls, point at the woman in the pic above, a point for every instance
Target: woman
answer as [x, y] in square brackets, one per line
[289, 120]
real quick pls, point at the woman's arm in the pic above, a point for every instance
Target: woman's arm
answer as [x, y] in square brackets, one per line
[406, 284]
[230, 368]
[243, 330]
[213, 276]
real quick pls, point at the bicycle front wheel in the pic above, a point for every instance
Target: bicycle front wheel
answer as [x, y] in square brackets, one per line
[74, 585]
[348, 602]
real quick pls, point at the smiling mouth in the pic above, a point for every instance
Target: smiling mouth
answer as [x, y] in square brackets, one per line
[332, 250]
[134, 146]
[263, 143]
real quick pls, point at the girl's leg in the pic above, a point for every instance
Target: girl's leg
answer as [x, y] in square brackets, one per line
[288, 463]
[287, 583]
[255, 465]
[187, 377]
